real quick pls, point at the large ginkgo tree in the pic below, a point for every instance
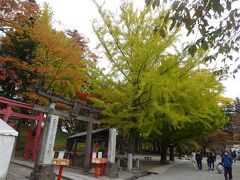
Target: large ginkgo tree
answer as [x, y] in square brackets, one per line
[150, 90]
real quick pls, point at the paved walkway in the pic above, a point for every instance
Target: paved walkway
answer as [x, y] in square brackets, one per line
[20, 170]
[179, 170]
[183, 170]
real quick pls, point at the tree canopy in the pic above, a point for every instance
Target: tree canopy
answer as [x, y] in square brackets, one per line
[216, 22]
[151, 89]
[33, 53]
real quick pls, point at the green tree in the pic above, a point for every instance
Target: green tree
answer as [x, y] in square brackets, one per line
[184, 101]
[150, 90]
[216, 22]
[133, 49]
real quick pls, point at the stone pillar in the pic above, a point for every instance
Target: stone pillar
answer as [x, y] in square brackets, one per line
[43, 169]
[111, 168]
[112, 145]
[137, 163]
[130, 159]
[88, 144]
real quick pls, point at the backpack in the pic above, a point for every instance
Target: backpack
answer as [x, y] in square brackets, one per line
[227, 161]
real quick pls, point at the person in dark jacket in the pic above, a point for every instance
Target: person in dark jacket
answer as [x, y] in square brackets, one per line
[199, 158]
[227, 164]
[210, 161]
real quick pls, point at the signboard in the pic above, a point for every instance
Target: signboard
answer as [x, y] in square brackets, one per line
[99, 154]
[94, 156]
[99, 160]
[63, 162]
[61, 154]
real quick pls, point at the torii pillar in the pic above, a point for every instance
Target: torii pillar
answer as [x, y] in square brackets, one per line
[88, 144]
[43, 169]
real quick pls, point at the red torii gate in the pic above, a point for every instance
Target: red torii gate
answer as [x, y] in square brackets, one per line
[8, 112]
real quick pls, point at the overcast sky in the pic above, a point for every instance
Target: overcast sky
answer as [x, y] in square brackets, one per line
[78, 14]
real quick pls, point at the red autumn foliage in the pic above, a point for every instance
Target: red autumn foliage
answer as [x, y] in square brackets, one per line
[84, 96]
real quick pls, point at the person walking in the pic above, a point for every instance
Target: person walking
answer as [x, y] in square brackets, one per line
[199, 158]
[208, 161]
[234, 155]
[214, 155]
[227, 164]
[193, 159]
[212, 160]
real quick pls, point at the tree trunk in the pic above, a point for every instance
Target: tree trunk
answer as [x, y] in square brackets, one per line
[122, 144]
[131, 143]
[140, 145]
[137, 143]
[179, 153]
[155, 145]
[171, 149]
[158, 146]
[163, 154]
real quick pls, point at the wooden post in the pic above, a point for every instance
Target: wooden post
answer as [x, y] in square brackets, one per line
[37, 136]
[96, 169]
[28, 146]
[88, 144]
[60, 172]
[74, 152]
